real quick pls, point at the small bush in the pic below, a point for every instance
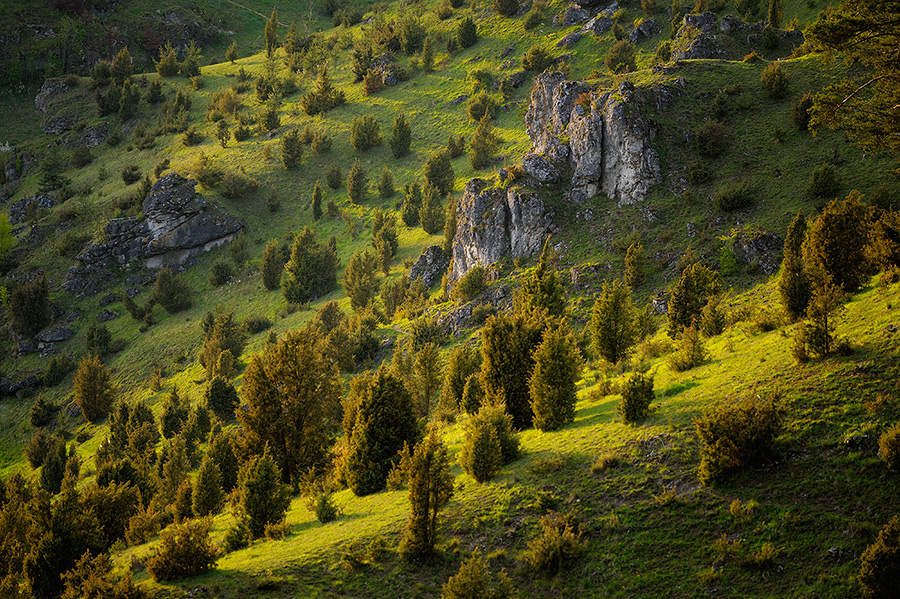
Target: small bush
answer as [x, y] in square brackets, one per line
[220, 272]
[60, 366]
[534, 16]
[473, 581]
[736, 435]
[734, 196]
[774, 81]
[480, 455]
[191, 137]
[606, 461]
[321, 503]
[257, 324]
[237, 537]
[558, 545]
[823, 183]
[699, 173]
[879, 576]
[39, 446]
[471, 284]
[712, 139]
[800, 114]
[482, 104]
[237, 184]
[131, 174]
[888, 447]
[184, 550]
[537, 58]
[637, 394]
[692, 351]
[170, 292]
[365, 133]
[333, 176]
[620, 58]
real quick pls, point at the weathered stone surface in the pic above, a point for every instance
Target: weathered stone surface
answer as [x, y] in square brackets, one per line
[492, 223]
[569, 40]
[539, 168]
[9, 386]
[598, 25]
[107, 315]
[25, 347]
[430, 265]
[94, 136]
[177, 224]
[55, 335]
[574, 15]
[607, 144]
[759, 248]
[52, 89]
[385, 65]
[87, 280]
[18, 212]
[107, 299]
[697, 39]
[647, 29]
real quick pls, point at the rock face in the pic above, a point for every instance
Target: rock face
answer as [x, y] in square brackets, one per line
[763, 250]
[492, 223]
[177, 224]
[430, 265]
[647, 29]
[605, 143]
[19, 212]
[697, 38]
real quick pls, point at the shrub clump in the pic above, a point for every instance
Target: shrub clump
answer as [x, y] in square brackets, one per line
[536, 59]
[637, 394]
[823, 182]
[184, 550]
[774, 81]
[734, 196]
[170, 292]
[489, 442]
[879, 576]
[736, 435]
[620, 58]
[889, 447]
[558, 545]
[711, 139]
[474, 581]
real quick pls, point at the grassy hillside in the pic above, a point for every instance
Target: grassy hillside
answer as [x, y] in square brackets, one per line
[652, 528]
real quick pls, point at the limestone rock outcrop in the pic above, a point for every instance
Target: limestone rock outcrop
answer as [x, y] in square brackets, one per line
[605, 143]
[177, 224]
[492, 223]
[430, 266]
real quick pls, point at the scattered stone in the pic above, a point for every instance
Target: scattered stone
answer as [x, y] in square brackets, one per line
[430, 265]
[107, 315]
[52, 89]
[598, 25]
[696, 38]
[58, 125]
[88, 280]
[47, 350]
[759, 248]
[506, 52]
[140, 279]
[107, 299]
[72, 316]
[660, 305]
[647, 29]
[518, 78]
[574, 15]
[457, 100]
[94, 136]
[569, 40]
[561, 59]
[387, 343]
[10, 387]
[25, 347]
[133, 291]
[54, 335]
[19, 212]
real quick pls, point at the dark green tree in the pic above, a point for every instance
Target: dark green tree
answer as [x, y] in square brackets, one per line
[506, 8]
[271, 33]
[171, 292]
[221, 398]
[207, 497]
[377, 427]
[365, 133]
[312, 270]
[52, 168]
[557, 361]
[54, 467]
[317, 201]
[634, 261]
[94, 390]
[261, 496]
[121, 68]
[836, 243]
[28, 306]
[462, 363]
[272, 265]
[612, 323]
[483, 145]
[793, 281]
[694, 288]
[438, 171]
[412, 202]
[168, 61]
[386, 184]
[430, 487]
[466, 33]
[129, 100]
[431, 214]
[620, 58]
[221, 451]
[231, 52]
[543, 290]
[292, 397]
[357, 181]
[360, 280]
[291, 149]
[401, 136]
[173, 414]
[775, 13]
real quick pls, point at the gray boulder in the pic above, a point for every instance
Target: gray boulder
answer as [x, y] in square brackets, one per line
[430, 266]
[540, 169]
[569, 40]
[696, 38]
[574, 15]
[55, 335]
[647, 29]
[19, 212]
[177, 224]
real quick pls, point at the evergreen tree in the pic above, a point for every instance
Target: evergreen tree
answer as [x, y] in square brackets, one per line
[207, 497]
[462, 363]
[174, 413]
[291, 149]
[357, 181]
[221, 452]
[221, 334]
[384, 239]
[272, 265]
[377, 428]
[261, 497]
[693, 290]
[128, 100]
[775, 13]
[52, 168]
[292, 395]
[557, 361]
[317, 201]
[173, 472]
[323, 97]
[28, 306]
[483, 145]
[431, 214]
[360, 280]
[438, 171]
[386, 184]
[170, 292]
[836, 243]
[426, 378]
[508, 343]
[94, 391]
[427, 56]
[466, 33]
[634, 261]
[401, 136]
[271, 33]
[480, 456]
[121, 68]
[793, 281]
[612, 323]
[190, 66]
[223, 134]
[168, 61]
[412, 203]
[221, 398]
[54, 467]
[312, 270]
[231, 52]
[543, 290]
[825, 306]
[506, 8]
[365, 133]
[430, 487]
